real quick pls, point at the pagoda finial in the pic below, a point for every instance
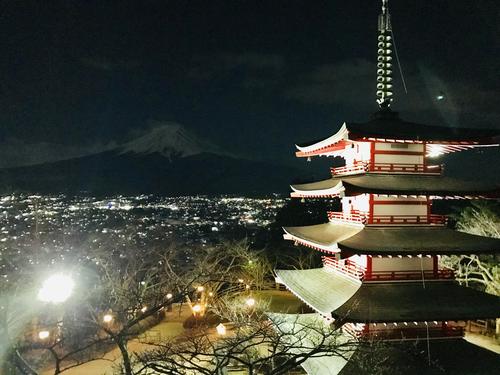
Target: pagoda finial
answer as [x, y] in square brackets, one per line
[384, 58]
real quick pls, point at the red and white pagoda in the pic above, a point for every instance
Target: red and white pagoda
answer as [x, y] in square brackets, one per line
[381, 275]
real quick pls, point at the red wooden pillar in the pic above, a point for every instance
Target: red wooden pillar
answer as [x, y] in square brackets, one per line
[369, 267]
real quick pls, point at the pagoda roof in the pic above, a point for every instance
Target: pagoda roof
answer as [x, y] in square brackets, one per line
[304, 332]
[387, 126]
[450, 357]
[414, 301]
[391, 239]
[400, 184]
[323, 289]
[322, 236]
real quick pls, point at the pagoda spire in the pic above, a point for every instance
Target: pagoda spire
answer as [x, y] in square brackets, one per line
[384, 58]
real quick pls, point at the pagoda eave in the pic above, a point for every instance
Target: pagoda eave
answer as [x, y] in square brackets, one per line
[415, 301]
[392, 240]
[395, 184]
[322, 289]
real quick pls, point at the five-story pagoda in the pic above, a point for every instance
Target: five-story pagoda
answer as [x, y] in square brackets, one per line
[381, 275]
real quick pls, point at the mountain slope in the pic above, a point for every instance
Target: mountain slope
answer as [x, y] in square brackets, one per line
[167, 160]
[115, 172]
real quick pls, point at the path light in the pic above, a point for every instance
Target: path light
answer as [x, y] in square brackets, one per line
[221, 329]
[210, 294]
[169, 296]
[56, 289]
[197, 308]
[250, 302]
[200, 288]
[108, 318]
[43, 335]
[144, 309]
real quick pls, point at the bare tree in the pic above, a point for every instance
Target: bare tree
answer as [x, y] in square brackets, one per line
[125, 292]
[258, 343]
[484, 270]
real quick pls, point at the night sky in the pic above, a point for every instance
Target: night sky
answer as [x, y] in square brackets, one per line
[252, 76]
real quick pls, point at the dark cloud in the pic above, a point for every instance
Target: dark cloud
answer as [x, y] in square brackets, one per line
[252, 61]
[249, 64]
[339, 83]
[101, 63]
[430, 97]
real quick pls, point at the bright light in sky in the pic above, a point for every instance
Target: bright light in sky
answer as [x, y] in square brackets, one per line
[56, 289]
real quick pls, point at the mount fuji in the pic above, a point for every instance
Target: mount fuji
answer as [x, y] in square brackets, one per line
[168, 160]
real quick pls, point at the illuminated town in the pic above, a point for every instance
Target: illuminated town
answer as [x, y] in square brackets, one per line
[35, 228]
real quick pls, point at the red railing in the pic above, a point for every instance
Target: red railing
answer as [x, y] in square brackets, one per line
[362, 167]
[359, 167]
[407, 219]
[363, 218]
[344, 266]
[446, 274]
[352, 217]
[405, 168]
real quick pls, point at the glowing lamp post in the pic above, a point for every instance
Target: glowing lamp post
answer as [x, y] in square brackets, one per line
[221, 329]
[43, 335]
[56, 289]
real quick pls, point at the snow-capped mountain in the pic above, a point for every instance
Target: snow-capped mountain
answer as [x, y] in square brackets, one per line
[170, 140]
[167, 160]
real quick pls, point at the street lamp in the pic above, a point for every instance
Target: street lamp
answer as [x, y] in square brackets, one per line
[56, 289]
[108, 318]
[250, 302]
[43, 335]
[221, 329]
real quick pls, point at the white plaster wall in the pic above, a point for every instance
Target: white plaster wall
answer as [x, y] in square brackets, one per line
[399, 147]
[360, 260]
[399, 159]
[360, 203]
[399, 209]
[401, 264]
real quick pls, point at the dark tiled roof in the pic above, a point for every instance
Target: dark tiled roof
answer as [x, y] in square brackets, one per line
[457, 357]
[396, 240]
[388, 125]
[407, 302]
[379, 183]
